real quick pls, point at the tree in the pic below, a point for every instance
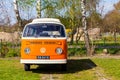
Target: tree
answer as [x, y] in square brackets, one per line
[49, 8]
[63, 9]
[91, 9]
[6, 7]
[72, 12]
[26, 10]
[111, 21]
[84, 24]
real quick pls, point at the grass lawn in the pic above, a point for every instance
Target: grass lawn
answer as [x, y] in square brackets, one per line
[11, 69]
[110, 66]
[78, 69]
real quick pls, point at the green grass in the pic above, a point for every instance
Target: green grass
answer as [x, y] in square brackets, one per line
[78, 69]
[11, 69]
[110, 66]
[83, 75]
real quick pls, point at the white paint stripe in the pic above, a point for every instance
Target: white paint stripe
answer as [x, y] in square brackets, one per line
[30, 61]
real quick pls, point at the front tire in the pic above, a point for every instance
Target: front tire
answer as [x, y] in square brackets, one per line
[26, 67]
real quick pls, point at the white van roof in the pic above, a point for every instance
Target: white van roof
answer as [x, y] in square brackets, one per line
[42, 20]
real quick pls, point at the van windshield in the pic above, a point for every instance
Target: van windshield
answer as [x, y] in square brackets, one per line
[44, 30]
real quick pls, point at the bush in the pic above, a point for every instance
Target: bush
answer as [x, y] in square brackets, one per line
[76, 51]
[110, 38]
[13, 53]
[8, 49]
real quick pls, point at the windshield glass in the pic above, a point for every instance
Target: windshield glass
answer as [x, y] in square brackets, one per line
[44, 30]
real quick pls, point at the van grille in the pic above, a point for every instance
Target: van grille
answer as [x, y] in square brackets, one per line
[50, 42]
[45, 43]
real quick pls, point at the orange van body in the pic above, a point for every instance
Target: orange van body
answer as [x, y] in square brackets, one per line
[45, 49]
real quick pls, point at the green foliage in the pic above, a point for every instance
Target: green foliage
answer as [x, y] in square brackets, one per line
[50, 8]
[13, 52]
[110, 38]
[76, 51]
[8, 49]
[105, 42]
[3, 49]
[113, 51]
[26, 3]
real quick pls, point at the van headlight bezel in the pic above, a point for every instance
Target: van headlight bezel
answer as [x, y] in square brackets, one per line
[27, 50]
[59, 50]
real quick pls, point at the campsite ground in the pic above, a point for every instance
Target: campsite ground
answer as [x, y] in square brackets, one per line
[79, 68]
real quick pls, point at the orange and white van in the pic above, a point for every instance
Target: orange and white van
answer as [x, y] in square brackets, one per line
[44, 41]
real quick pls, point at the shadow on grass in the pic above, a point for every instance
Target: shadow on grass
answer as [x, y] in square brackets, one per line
[73, 66]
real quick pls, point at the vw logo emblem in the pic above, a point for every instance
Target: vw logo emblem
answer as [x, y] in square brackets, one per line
[42, 50]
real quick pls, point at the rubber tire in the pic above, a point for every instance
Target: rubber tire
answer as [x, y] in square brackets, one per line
[64, 67]
[27, 67]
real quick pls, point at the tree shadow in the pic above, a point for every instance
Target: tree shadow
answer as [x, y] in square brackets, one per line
[73, 66]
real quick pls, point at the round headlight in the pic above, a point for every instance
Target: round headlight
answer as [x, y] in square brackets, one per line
[27, 50]
[59, 50]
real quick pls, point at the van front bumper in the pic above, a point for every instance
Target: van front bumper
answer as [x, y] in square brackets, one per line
[37, 61]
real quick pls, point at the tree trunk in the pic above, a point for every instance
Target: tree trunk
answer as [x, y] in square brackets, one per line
[73, 31]
[115, 39]
[72, 37]
[86, 36]
[40, 8]
[79, 35]
[18, 15]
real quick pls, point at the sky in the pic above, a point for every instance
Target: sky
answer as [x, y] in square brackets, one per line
[5, 10]
[8, 15]
[106, 5]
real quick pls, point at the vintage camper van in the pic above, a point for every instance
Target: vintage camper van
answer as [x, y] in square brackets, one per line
[44, 42]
